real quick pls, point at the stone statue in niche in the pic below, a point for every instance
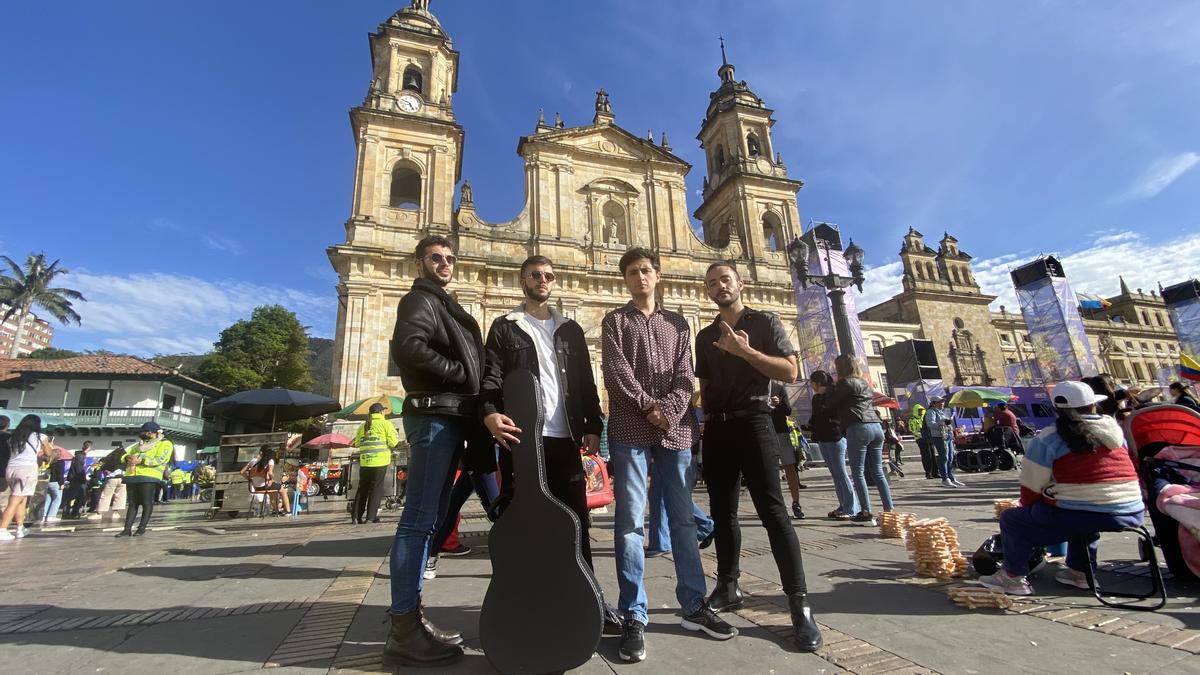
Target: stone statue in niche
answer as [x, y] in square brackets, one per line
[612, 230]
[587, 238]
[467, 197]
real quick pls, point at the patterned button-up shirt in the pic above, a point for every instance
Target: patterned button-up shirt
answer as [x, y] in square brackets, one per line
[648, 359]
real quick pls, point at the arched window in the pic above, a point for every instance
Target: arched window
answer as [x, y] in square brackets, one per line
[752, 147]
[406, 188]
[931, 270]
[772, 232]
[720, 157]
[413, 80]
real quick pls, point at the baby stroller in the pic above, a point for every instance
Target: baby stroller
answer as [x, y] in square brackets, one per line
[1164, 441]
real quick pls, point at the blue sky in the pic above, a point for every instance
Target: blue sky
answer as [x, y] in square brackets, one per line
[191, 160]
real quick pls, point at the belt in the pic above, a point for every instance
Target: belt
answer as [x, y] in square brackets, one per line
[733, 415]
[456, 401]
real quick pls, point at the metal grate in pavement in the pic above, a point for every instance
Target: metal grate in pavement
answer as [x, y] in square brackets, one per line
[169, 614]
[316, 638]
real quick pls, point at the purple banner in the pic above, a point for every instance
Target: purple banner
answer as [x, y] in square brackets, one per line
[1185, 316]
[1024, 374]
[1056, 329]
[814, 313]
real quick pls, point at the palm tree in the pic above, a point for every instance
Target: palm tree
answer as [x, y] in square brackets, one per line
[30, 287]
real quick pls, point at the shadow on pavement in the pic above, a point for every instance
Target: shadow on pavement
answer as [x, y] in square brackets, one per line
[211, 572]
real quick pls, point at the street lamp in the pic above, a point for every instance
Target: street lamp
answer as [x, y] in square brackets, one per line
[797, 252]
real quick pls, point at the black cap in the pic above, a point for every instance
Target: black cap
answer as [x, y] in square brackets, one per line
[376, 408]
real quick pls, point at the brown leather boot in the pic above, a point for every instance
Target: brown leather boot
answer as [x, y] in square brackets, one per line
[450, 637]
[409, 644]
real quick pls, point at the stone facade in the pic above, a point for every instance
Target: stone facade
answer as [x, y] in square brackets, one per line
[592, 191]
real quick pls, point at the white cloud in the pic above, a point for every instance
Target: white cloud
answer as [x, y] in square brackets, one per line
[1159, 175]
[216, 242]
[1096, 268]
[154, 313]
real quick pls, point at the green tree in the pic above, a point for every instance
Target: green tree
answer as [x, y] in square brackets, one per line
[29, 287]
[270, 349]
[52, 353]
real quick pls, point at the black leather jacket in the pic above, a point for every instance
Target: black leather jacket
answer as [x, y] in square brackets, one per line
[825, 424]
[851, 402]
[439, 351]
[510, 347]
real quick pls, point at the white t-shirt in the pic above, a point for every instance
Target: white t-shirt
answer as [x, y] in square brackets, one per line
[27, 455]
[555, 408]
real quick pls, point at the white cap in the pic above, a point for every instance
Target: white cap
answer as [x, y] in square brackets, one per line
[1072, 394]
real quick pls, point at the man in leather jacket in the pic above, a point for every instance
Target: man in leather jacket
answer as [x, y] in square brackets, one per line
[438, 348]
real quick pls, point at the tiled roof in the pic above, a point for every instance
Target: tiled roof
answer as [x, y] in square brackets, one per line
[91, 364]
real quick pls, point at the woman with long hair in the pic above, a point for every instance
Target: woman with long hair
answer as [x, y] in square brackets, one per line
[76, 495]
[851, 401]
[26, 446]
[1077, 480]
[827, 433]
[261, 475]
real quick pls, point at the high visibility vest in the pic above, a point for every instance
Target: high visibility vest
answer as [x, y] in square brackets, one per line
[793, 434]
[153, 461]
[177, 477]
[375, 440]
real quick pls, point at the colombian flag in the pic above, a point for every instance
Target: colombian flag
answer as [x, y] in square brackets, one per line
[1189, 369]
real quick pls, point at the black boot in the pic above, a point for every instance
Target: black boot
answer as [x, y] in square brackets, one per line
[450, 637]
[725, 595]
[409, 644]
[808, 635]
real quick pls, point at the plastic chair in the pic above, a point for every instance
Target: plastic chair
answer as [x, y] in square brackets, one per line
[261, 502]
[299, 502]
[1146, 549]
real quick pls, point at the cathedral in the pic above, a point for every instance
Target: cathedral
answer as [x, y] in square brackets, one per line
[591, 192]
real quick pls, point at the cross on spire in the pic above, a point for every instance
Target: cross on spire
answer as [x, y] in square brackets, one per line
[724, 61]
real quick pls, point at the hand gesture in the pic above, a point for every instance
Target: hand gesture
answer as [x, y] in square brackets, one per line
[502, 428]
[733, 342]
[592, 443]
[655, 416]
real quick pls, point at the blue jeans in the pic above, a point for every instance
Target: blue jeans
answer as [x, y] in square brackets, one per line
[1025, 527]
[676, 475]
[945, 455]
[436, 442]
[834, 454]
[864, 445]
[52, 501]
[483, 485]
[660, 535]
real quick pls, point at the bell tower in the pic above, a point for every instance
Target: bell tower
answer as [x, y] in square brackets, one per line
[749, 200]
[409, 159]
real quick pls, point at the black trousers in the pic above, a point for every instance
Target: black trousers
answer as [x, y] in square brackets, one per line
[747, 447]
[929, 459]
[564, 478]
[370, 490]
[143, 495]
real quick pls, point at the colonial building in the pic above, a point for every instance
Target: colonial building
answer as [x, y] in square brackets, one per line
[38, 333]
[592, 191]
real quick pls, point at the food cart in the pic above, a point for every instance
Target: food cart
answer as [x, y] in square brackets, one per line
[231, 490]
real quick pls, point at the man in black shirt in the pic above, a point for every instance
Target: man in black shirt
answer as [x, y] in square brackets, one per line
[737, 356]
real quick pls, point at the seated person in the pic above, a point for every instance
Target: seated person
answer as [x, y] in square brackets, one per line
[261, 474]
[1077, 480]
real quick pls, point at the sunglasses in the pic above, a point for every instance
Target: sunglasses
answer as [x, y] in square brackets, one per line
[438, 258]
[539, 275]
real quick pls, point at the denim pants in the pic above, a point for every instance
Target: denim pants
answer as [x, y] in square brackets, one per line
[52, 501]
[467, 482]
[436, 442]
[660, 535]
[1025, 527]
[864, 445]
[748, 447]
[945, 455]
[676, 475]
[834, 454]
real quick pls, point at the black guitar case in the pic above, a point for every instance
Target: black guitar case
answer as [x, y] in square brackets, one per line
[542, 612]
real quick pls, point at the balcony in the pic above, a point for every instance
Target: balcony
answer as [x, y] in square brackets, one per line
[123, 418]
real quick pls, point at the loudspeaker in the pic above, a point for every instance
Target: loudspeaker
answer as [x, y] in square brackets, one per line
[1041, 268]
[910, 361]
[1181, 292]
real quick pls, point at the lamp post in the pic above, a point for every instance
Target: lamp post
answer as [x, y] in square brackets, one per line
[836, 284]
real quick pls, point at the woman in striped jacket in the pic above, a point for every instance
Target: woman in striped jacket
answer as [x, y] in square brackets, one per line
[1077, 480]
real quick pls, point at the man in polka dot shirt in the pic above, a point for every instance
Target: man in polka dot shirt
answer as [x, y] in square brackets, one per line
[646, 359]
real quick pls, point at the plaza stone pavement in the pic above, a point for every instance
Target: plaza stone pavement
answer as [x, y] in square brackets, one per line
[309, 596]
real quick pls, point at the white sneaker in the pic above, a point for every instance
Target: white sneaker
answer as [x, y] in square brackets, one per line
[958, 483]
[1002, 582]
[5, 535]
[946, 483]
[21, 532]
[431, 565]
[54, 519]
[1070, 577]
[94, 516]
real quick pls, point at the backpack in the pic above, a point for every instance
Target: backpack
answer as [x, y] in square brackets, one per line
[990, 555]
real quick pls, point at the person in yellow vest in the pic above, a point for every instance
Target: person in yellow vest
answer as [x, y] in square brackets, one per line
[374, 440]
[144, 464]
[178, 478]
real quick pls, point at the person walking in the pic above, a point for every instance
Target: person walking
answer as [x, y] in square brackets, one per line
[916, 426]
[537, 338]
[851, 399]
[75, 495]
[826, 428]
[937, 429]
[737, 357]
[144, 463]
[113, 492]
[445, 541]
[438, 349]
[789, 457]
[374, 439]
[53, 496]
[27, 445]
[646, 359]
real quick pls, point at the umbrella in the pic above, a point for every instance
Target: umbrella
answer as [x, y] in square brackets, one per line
[273, 405]
[1148, 394]
[64, 453]
[976, 398]
[392, 405]
[879, 400]
[330, 441]
[209, 450]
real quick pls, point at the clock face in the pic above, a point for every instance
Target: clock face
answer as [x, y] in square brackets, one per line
[408, 103]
